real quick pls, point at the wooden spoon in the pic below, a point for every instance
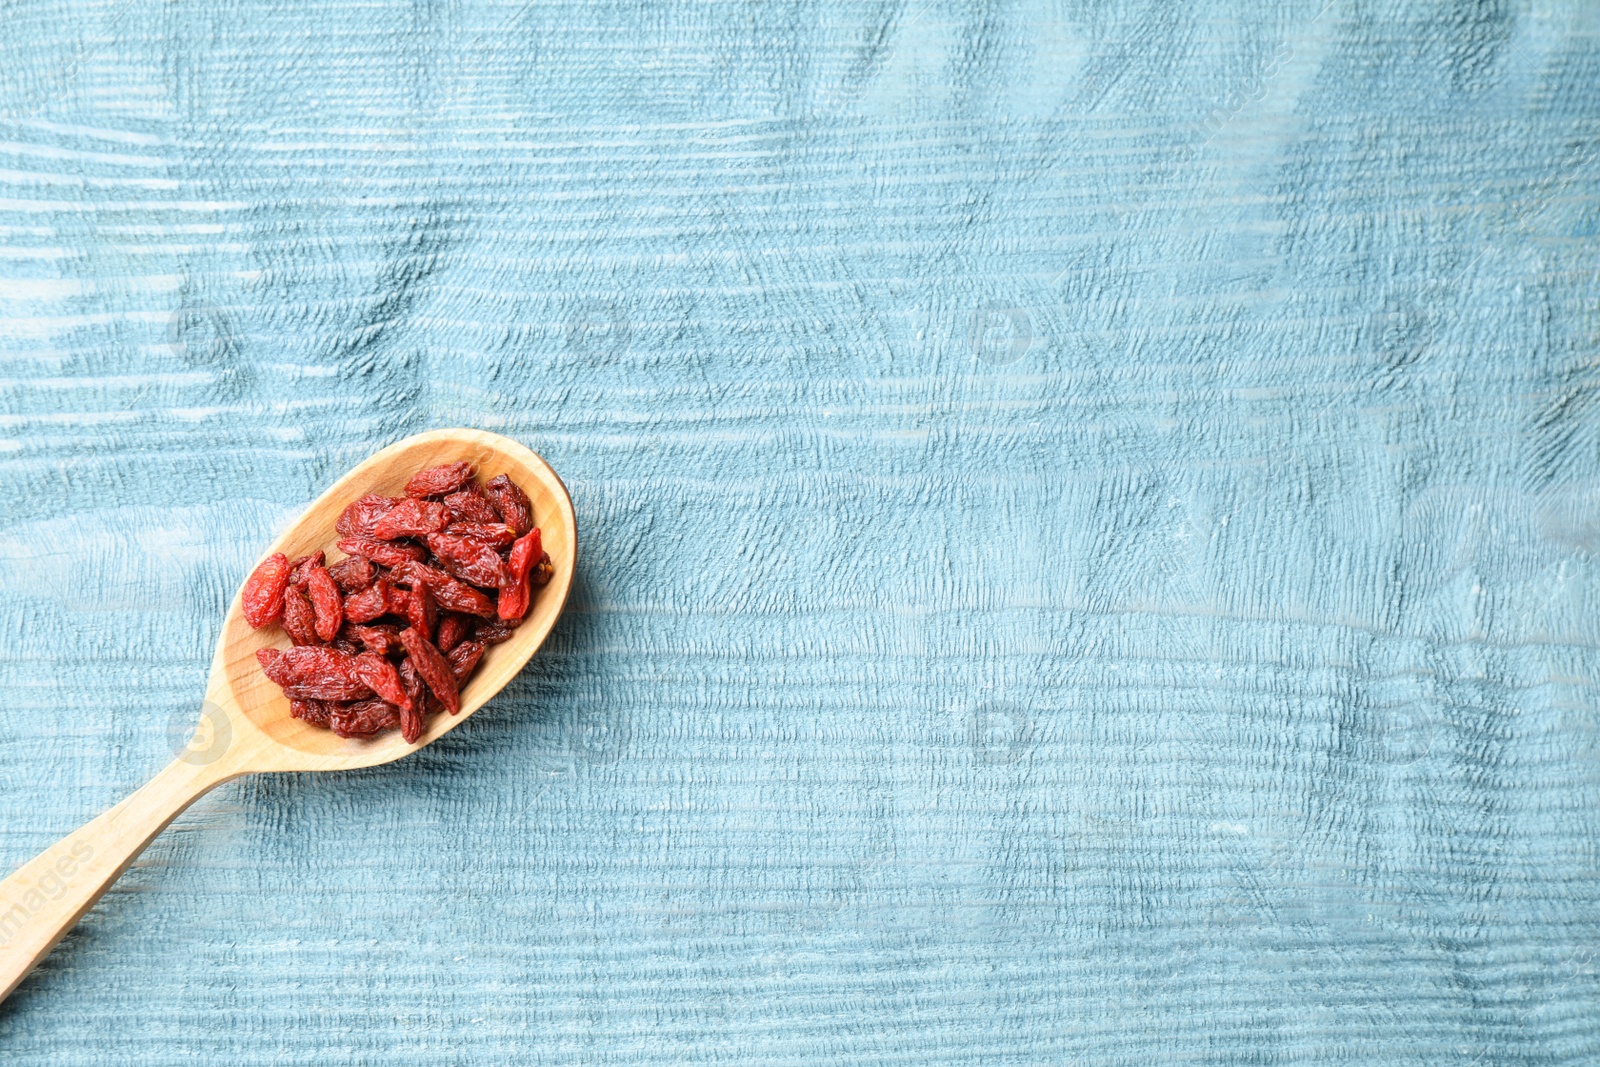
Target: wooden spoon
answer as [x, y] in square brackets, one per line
[245, 726]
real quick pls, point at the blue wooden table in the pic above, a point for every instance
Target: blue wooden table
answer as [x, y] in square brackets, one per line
[1091, 524]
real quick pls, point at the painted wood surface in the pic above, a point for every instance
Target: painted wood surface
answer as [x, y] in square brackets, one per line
[1091, 523]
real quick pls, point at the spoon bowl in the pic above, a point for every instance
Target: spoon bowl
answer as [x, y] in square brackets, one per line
[258, 712]
[245, 725]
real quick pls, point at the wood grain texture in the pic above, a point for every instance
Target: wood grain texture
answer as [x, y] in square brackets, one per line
[1089, 525]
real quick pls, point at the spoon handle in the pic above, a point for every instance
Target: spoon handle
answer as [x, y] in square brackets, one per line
[48, 895]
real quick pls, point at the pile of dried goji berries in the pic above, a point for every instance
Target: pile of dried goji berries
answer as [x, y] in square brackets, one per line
[388, 635]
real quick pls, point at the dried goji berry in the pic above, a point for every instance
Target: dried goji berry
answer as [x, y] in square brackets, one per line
[421, 696]
[436, 481]
[313, 672]
[411, 518]
[423, 699]
[494, 633]
[299, 621]
[362, 515]
[353, 574]
[330, 690]
[471, 561]
[400, 602]
[381, 638]
[453, 629]
[512, 603]
[368, 604]
[379, 675]
[388, 553]
[399, 599]
[525, 552]
[412, 722]
[458, 596]
[513, 599]
[450, 594]
[325, 602]
[421, 611]
[468, 504]
[300, 569]
[408, 574]
[314, 712]
[464, 659]
[434, 668]
[495, 534]
[363, 718]
[262, 598]
[515, 509]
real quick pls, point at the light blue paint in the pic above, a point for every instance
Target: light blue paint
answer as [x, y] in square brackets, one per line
[1063, 583]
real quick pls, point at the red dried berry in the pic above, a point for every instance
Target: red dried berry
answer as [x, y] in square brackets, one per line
[468, 504]
[463, 659]
[436, 481]
[388, 553]
[494, 534]
[450, 594]
[262, 598]
[434, 668]
[515, 509]
[368, 604]
[399, 599]
[299, 620]
[544, 570]
[300, 569]
[421, 697]
[412, 723]
[471, 561]
[494, 633]
[362, 515]
[410, 574]
[513, 599]
[363, 718]
[420, 610]
[400, 602]
[314, 712]
[423, 702]
[513, 603]
[353, 573]
[313, 672]
[330, 690]
[380, 638]
[411, 518]
[379, 675]
[457, 596]
[325, 602]
[453, 629]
